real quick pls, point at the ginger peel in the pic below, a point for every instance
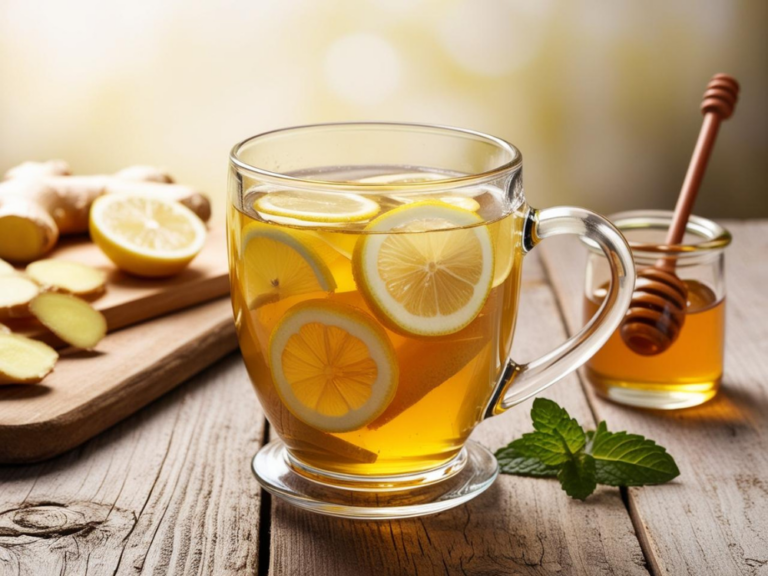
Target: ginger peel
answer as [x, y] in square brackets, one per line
[41, 200]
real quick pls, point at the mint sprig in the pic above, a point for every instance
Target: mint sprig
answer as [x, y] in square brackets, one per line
[559, 447]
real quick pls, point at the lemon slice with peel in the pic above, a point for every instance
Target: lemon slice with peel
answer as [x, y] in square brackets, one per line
[316, 206]
[403, 178]
[278, 264]
[431, 274]
[333, 366]
[504, 243]
[458, 200]
[146, 236]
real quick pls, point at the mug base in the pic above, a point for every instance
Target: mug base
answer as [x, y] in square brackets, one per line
[381, 498]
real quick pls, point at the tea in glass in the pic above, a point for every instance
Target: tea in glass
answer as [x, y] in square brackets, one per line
[441, 337]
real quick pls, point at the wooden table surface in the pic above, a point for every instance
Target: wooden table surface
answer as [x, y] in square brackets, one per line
[169, 490]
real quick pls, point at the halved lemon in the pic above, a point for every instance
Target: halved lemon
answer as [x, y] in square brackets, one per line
[316, 206]
[146, 236]
[278, 264]
[333, 366]
[425, 268]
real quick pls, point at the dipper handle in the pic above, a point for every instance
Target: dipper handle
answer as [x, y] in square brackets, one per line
[657, 311]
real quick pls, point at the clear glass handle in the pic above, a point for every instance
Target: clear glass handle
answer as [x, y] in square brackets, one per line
[518, 382]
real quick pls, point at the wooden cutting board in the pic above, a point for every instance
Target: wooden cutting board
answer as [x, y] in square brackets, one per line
[90, 391]
[130, 300]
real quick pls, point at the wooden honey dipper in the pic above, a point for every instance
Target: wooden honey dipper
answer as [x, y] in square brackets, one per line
[657, 311]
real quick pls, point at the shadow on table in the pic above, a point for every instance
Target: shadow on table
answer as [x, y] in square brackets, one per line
[734, 408]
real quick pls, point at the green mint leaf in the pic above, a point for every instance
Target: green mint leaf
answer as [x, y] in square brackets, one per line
[623, 459]
[560, 447]
[578, 476]
[591, 434]
[549, 418]
[549, 448]
[513, 462]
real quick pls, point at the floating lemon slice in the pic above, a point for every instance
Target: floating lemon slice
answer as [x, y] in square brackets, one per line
[432, 274]
[146, 236]
[277, 264]
[315, 206]
[333, 367]
[504, 244]
[463, 202]
[404, 178]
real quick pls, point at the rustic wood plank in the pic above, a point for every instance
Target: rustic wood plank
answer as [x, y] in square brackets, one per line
[519, 526]
[714, 518]
[90, 391]
[168, 491]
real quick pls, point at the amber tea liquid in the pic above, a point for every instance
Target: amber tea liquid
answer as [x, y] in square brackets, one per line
[686, 374]
[445, 382]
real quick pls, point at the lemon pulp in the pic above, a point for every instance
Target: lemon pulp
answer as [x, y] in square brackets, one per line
[278, 265]
[425, 283]
[333, 366]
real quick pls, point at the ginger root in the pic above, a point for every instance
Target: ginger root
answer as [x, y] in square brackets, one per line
[16, 292]
[70, 318]
[41, 200]
[23, 360]
[65, 276]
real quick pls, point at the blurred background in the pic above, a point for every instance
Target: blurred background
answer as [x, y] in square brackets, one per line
[602, 97]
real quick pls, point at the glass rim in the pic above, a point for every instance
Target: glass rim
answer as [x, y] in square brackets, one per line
[478, 178]
[715, 236]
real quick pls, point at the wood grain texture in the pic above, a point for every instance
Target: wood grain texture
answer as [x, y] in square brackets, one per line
[90, 391]
[168, 491]
[714, 518]
[130, 300]
[519, 526]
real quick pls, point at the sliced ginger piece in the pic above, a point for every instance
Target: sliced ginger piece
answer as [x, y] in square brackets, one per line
[16, 292]
[66, 276]
[70, 318]
[23, 360]
[4, 329]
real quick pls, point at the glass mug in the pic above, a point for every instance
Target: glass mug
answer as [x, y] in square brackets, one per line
[375, 273]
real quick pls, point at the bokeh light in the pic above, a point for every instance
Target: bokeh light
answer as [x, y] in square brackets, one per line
[601, 97]
[362, 68]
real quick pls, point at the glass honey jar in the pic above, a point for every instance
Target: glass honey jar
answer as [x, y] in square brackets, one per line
[689, 372]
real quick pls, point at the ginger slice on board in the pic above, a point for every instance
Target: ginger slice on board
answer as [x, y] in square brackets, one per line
[70, 318]
[23, 360]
